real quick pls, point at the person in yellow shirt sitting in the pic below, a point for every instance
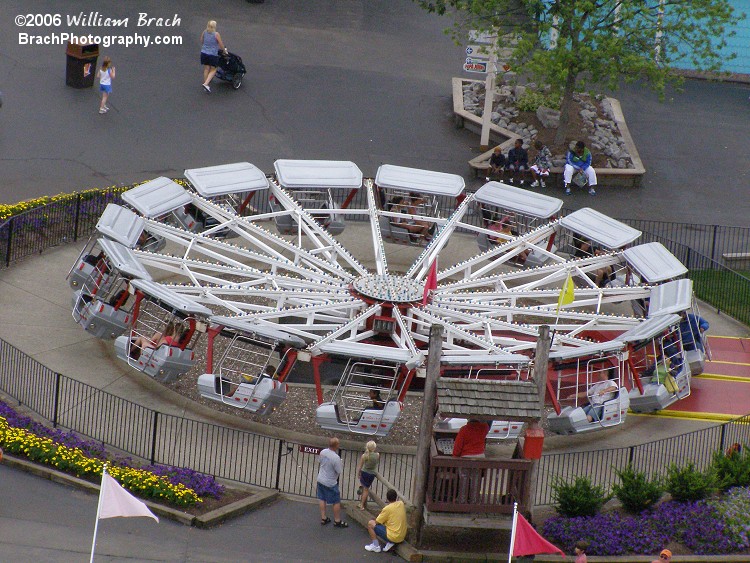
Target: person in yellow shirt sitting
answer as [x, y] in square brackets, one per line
[390, 525]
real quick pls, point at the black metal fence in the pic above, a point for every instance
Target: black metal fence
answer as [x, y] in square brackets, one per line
[57, 222]
[291, 467]
[156, 437]
[652, 458]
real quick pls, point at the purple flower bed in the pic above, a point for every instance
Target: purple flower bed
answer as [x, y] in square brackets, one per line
[699, 526]
[203, 485]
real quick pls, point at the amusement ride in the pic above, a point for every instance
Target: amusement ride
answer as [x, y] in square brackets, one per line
[258, 267]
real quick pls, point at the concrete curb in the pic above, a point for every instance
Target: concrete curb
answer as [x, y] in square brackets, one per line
[405, 550]
[255, 500]
[625, 177]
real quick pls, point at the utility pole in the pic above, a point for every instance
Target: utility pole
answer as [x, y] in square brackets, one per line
[429, 407]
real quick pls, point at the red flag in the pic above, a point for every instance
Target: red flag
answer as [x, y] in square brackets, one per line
[529, 542]
[431, 282]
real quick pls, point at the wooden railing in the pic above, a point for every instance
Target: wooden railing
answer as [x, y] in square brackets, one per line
[486, 485]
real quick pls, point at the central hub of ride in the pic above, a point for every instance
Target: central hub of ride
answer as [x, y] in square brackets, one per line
[389, 288]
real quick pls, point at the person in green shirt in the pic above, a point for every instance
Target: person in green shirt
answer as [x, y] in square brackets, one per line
[390, 525]
[367, 468]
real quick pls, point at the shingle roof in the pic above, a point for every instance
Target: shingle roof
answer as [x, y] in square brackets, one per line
[465, 398]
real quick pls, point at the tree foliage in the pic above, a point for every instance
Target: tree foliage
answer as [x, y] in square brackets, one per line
[575, 45]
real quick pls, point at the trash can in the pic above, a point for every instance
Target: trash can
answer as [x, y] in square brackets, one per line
[80, 69]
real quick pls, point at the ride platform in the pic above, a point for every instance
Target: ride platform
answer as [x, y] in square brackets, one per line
[722, 391]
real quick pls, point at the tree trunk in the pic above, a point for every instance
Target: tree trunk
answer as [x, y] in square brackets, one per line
[566, 106]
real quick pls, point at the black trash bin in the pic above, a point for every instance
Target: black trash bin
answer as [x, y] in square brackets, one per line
[80, 69]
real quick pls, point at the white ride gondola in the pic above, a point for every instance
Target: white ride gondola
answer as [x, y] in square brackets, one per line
[100, 305]
[312, 184]
[369, 396]
[117, 224]
[652, 263]
[232, 186]
[411, 200]
[677, 297]
[166, 326]
[129, 229]
[250, 372]
[164, 200]
[508, 212]
[589, 389]
[586, 230]
[496, 367]
[659, 373]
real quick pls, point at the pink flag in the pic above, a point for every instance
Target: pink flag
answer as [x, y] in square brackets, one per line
[431, 282]
[115, 501]
[528, 542]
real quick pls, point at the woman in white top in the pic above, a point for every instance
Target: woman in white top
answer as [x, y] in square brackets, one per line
[106, 75]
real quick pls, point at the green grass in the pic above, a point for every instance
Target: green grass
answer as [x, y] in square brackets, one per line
[727, 291]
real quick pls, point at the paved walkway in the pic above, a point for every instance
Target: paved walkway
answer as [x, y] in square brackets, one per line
[45, 522]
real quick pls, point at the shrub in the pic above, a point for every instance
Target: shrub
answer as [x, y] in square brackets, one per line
[530, 100]
[635, 491]
[687, 483]
[579, 498]
[732, 470]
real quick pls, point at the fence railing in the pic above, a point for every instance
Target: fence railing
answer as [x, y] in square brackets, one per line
[653, 458]
[156, 437]
[291, 467]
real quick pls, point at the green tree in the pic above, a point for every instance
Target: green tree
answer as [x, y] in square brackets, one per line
[577, 45]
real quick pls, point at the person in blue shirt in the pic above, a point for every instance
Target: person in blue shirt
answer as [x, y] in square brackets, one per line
[517, 162]
[578, 161]
[692, 328]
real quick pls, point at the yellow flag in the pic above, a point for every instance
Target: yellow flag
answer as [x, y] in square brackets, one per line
[566, 293]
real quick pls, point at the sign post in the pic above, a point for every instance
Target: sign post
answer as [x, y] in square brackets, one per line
[487, 48]
[489, 99]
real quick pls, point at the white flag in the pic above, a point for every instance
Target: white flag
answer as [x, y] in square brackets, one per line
[115, 501]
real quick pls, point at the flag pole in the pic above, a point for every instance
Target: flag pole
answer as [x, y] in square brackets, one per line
[98, 511]
[513, 532]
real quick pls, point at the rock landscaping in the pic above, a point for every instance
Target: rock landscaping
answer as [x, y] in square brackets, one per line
[594, 122]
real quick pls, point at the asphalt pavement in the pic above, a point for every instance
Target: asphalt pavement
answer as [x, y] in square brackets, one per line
[335, 79]
[42, 521]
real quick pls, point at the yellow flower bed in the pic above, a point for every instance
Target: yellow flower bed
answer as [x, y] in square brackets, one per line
[71, 460]
[8, 210]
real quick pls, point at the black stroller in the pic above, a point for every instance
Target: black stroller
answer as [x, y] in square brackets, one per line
[231, 69]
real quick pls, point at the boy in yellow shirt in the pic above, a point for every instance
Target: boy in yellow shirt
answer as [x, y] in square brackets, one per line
[390, 525]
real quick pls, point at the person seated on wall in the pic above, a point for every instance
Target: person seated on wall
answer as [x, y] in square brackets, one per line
[599, 393]
[692, 328]
[497, 165]
[390, 526]
[517, 162]
[577, 161]
[542, 164]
